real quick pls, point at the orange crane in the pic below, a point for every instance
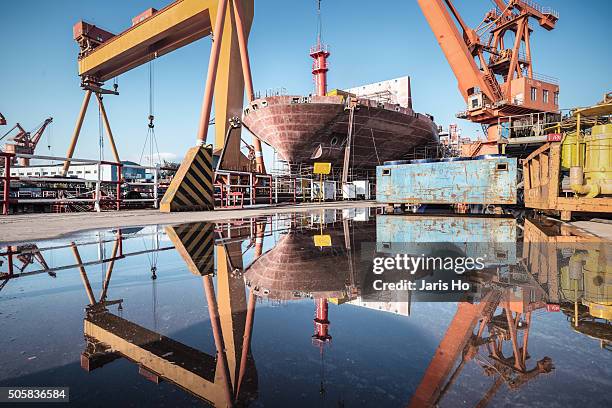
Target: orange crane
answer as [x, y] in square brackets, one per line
[493, 63]
[24, 142]
[461, 343]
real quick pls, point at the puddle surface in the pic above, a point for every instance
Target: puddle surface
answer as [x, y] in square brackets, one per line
[281, 311]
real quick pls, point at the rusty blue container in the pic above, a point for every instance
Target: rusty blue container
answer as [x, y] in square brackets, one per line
[493, 238]
[490, 180]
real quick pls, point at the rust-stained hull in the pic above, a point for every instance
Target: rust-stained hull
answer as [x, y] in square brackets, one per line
[315, 128]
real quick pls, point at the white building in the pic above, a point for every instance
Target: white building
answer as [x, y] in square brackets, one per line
[394, 91]
[77, 170]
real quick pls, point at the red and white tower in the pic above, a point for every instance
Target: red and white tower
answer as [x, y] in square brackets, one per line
[319, 53]
[321, 323]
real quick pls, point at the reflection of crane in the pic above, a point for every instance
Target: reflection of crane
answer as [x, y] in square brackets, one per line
[25, 142]
[461, 342]
[494, 80]
[227, 378]
[26, 255]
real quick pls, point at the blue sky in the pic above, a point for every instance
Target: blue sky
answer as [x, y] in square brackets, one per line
[370, 41]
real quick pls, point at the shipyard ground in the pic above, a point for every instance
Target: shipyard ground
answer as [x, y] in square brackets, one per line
[26, 227]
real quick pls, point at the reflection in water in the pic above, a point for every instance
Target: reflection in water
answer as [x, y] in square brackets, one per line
[576, 272]
[326, 257]
[225, 379]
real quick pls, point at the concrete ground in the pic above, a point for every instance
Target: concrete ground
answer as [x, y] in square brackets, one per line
[29, 227]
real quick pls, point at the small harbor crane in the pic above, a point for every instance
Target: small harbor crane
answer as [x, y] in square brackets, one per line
[24, 142]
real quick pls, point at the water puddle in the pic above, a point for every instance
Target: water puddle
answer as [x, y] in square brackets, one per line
[289, 310]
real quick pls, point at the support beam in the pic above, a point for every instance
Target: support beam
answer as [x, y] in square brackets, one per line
[77, 131]
[248, 79]
[213, 63]
[222, 373]
[109, 133]
[229, 89]
[84, 278]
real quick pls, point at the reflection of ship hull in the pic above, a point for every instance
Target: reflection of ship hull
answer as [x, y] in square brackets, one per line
[296, 268]
[307, 129]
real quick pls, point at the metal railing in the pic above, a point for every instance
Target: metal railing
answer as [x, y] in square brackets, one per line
[541, 9]
[75, 196]
[545, 78]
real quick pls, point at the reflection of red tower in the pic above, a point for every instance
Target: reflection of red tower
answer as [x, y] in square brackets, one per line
[319, 53]
[321, 323]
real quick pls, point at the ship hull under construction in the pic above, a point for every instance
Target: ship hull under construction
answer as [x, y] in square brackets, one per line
[315, 129]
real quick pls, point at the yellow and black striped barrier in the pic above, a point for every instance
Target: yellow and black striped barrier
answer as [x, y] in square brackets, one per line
[191, 188]
[195, 242]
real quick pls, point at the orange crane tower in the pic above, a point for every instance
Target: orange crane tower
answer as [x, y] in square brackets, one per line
[25, 142]
[493, 62]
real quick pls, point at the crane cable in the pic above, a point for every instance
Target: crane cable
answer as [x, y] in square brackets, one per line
[100, 134]
[150, 138]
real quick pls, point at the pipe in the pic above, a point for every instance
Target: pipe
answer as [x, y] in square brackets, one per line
[577, 156]
[577, 185]
[7, 186]
[77, 131]
[248, 79]
[213, 64]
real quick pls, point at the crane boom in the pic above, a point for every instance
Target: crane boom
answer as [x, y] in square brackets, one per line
[493, 62]
[38, 133]
[461, 61]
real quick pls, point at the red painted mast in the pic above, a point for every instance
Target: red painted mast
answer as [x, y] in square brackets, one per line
[321, 323]
[319, 53]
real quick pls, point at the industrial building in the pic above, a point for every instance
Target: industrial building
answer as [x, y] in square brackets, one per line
[107, 172]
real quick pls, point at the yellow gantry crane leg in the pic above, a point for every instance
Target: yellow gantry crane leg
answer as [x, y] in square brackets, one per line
[176, 25]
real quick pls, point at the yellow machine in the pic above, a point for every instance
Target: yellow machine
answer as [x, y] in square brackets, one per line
[585, 153]
[591, 161]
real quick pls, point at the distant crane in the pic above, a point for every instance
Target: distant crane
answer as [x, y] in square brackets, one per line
[493, 62]
[2, 120]
[24, 142]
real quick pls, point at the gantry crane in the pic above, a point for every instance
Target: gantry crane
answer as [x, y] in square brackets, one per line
[24, 142]
[493, 63]
[104, 55]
